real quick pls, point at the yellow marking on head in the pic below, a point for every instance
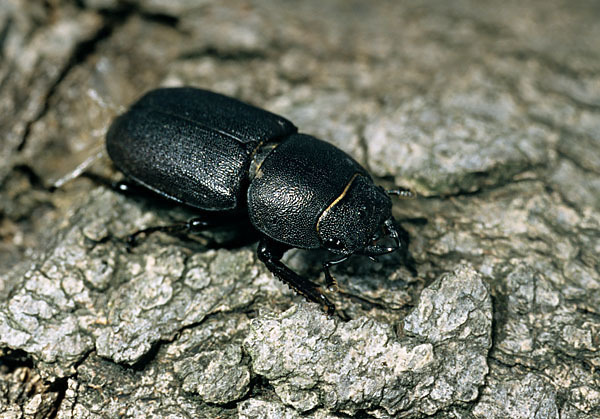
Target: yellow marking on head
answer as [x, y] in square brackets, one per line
[338, 199]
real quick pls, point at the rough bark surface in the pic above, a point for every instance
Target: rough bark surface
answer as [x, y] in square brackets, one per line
[490, 111]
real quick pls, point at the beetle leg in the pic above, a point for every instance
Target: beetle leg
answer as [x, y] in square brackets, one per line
[270, 253]
[121, 186]
[329, 279]
[191, 226]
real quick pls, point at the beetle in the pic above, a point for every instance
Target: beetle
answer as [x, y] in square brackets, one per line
[218, 154]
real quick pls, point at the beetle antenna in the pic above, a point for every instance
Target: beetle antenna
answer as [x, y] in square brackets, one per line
[401, 192]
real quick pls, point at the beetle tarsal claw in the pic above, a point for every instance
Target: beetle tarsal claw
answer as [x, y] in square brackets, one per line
[327, 306]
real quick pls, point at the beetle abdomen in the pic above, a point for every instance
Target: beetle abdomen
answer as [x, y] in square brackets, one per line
[296, 182]
[191, 145]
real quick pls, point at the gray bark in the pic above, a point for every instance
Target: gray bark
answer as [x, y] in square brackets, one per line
[490, 111]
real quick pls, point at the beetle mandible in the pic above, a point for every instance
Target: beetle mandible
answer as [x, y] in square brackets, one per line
[216, 153]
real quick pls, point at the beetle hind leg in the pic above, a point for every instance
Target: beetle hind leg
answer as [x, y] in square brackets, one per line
[123, 186]
[270, 253]
[191, 226]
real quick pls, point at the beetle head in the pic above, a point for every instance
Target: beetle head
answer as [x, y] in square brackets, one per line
[359, 218]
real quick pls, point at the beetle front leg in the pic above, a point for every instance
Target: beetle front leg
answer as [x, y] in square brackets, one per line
[270, 253]
[329, 279]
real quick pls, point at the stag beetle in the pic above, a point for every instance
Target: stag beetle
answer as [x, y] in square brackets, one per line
[215, 153]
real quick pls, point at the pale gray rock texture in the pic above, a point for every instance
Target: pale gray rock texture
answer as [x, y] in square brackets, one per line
[489, 111]
[316, 361]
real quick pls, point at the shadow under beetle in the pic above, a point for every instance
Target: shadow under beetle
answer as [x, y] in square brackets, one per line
[215, 153]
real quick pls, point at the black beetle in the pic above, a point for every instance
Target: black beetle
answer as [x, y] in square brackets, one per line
[215, 153]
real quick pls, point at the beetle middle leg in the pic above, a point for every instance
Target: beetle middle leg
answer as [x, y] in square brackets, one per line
[270, 253]
[227, 222]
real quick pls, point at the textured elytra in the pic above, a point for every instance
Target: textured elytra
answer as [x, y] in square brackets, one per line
[192, 145]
